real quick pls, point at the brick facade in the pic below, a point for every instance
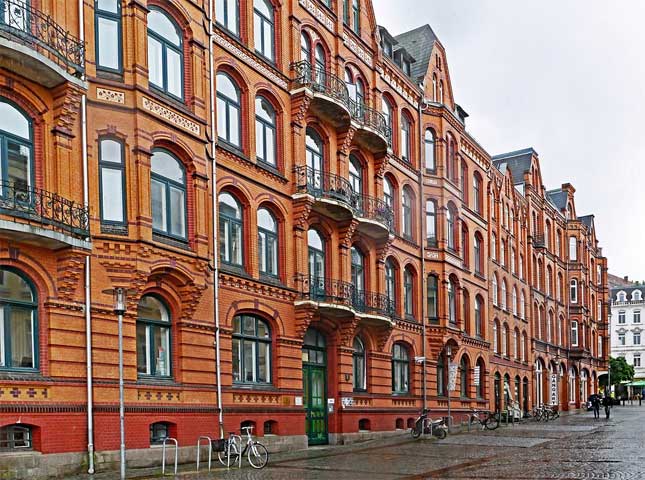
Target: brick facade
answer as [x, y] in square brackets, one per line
[494, 224]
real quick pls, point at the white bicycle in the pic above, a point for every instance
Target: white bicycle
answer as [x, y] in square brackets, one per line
[257, 454]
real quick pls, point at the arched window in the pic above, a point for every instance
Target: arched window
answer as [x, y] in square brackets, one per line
[504, 340]
[514, 301]
[305, 47]
[356, 15]
[263, 29]
[400, 369]
[513, 259]
[465, 312]
[516, 344]
[493, 246]
[18, 322]
[477, 253]
[267, 243]
[431, 223]
[452, 303]
[463, 377]
[503, 295]
[441, 91]
[405, 139]
[321, 62]
[406, 207]
[388, 193]
[358, 272]
[502, 252]
[153, 337]
[358, 359]
[573, 249]
[251, 350]
[316, 247]
[495, 337]
[431, 294]
[522, 305]
[574, 333]
[573, 292]
[229, 121]
[450, 228]
[227, 12]
[15, 437]
[356, 175]
[390, 291]
[386, 110]
[524, 346]
[408, 292]
[165, 54]
[478, 316]
[314, 155]
[265, 132]
[231, 230]
[479, 388]
[16, 151]
[168, 193]
[478, 201]
[429, 150]
[495, 289]
[112, 182]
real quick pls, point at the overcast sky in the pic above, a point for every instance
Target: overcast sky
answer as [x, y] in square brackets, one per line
[566, 77]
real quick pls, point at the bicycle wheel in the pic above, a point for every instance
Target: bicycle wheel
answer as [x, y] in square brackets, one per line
[492, 422]
[258, 455]
[223, 456]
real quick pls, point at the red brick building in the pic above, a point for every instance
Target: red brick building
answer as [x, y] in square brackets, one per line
[360, 230]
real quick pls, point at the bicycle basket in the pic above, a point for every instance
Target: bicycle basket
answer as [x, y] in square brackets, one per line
[219, 445]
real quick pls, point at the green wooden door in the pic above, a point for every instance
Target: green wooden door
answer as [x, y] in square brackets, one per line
[314, 386]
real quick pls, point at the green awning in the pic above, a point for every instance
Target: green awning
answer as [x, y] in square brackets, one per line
[638, 383]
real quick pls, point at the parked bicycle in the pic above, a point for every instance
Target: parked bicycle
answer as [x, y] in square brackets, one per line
[487, 419]
[544, 413]
[257, 454]
[424, 424]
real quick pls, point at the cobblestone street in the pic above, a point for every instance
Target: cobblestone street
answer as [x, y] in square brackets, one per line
[573, 447]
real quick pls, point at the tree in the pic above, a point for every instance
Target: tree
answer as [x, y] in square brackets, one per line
[621, 371]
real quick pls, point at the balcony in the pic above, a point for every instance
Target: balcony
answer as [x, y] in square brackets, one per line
[335, 198]
[33, 45]
[579, 353]
[538, 241]
[336, 298]
[330, 95]
[42, 218]
[372, 133]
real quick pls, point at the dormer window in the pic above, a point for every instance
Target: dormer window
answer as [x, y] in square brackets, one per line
[406, 67]
[387, 48]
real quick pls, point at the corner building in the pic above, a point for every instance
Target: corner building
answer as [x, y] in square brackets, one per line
[360, 229]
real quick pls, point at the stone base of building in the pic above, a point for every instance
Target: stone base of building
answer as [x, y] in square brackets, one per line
[361, 436]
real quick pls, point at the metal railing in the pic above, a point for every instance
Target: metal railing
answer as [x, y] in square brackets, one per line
[338, 292]
[322, 81]
[21, 200]
[39, 31]
[335, 187]
[163, 454]
[209, 444]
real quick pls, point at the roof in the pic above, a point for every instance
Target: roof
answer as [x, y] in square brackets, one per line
[628, 289]
[418, 43]
[558, 198]
[615, 281]
[518, 162]
[587, 220]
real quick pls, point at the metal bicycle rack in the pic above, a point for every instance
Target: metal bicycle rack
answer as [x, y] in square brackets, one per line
[236, 441]
[210, 450]
[469, 420]
[163, 453]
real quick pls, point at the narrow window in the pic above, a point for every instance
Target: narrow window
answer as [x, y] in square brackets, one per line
[431, 224]
[153, 337]
[405, 139]
[265, 132]
[16, 152]
[432, 298]
[227, 12]
[112, 182]
[358, 359]
[452, 303]
[18, 323]
[356, 14]
[229, 120]
[408, 292]
[168, 194]
[251, 350]
[108, 35]
[450, 228]
[231, 235]
[573, 249]
[264, 30]
[267, 243]
[400, 369]
[478, 317]
[574, 334]
[407, 214]
[429, 150]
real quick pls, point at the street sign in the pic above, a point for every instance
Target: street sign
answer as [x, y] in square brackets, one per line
[554, 389]
[452, 376]
[419, 359]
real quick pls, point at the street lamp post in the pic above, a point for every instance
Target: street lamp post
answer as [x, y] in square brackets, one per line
[119, 309]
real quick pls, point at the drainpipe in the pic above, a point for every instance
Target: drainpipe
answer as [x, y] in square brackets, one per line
[88, 276]
[423, 259]
[218, 375]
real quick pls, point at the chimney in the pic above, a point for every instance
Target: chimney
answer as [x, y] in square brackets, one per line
[626, 278]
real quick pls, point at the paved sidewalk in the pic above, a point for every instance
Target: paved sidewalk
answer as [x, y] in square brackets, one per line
[572, 447]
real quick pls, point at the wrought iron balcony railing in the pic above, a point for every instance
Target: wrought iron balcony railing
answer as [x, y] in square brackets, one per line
[39, 31]
[43, 207]
[337, 292]
[322, 81]
[334, 187]
[370, 118]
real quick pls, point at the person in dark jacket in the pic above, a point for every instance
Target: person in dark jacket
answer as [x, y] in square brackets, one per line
[607, 404]
[595, 405]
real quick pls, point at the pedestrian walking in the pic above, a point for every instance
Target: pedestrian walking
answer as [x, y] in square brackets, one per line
[595, 404]
[607, 404]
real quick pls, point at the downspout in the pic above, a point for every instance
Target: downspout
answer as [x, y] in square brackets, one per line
[88, 276]
[423, 256]
[218, 375]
